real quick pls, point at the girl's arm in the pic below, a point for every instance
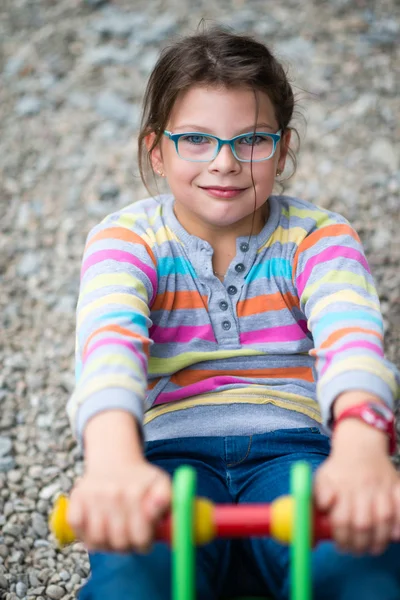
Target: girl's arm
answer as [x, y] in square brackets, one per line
[118, 284]
[357, 485]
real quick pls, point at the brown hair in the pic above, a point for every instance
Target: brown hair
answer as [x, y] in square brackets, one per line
[217, 57]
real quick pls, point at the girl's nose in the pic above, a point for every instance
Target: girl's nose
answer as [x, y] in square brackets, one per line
[225, 161]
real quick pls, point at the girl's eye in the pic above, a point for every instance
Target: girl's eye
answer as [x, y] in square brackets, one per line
[195, 139]
[254, 140]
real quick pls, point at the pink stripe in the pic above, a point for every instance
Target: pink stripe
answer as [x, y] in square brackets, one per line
[181, 334]
[285, 333]
[330, 355]
[329, 254]
[121, 256]
[202, 387]
[112, 341]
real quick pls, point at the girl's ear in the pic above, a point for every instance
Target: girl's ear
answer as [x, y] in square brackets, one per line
[285, 141]
[156, 156]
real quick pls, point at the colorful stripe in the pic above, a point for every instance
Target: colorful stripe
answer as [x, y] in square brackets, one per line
[304, 322]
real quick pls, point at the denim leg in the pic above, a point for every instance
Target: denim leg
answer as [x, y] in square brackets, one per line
[135, 576]
[264, 477]
[335, 575]
[339, 576]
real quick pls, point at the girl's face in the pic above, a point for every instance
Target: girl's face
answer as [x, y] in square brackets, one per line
[225, 113]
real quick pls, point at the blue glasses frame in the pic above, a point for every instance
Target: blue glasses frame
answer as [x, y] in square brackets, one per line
[220, 142]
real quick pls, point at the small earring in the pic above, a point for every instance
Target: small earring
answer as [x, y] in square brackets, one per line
[279, 172]
[161, 173]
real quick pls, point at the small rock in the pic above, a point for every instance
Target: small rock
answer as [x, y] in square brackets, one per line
[6, 464]
[20, 589]
[28, 265]
[95, 3]
[3, 582]
[383, 152]
[5, 445]
[111, 106]
[28, 106]
[55, 592]
[39, 525]
[14, 476]
[108, 190]
[49, 491]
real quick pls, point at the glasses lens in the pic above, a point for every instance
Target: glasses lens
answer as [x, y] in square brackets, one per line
[196, 146]
[254, 147]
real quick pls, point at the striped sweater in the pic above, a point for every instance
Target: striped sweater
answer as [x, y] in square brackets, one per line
[295, 322]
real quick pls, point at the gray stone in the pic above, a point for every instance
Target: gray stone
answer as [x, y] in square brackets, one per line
[39, 525]
[108, 55]
[156, 31]
[111, 106]
[5, 445]
[28, 106]
[119, 24]
[28, 265]
[55, 592]
[49, 491]
[20, 589]
[108, 190]
[383, 152]
[6, 463]
[95, 3]
[3, 582]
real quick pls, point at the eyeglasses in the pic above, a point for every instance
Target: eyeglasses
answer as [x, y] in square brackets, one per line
[196, 146]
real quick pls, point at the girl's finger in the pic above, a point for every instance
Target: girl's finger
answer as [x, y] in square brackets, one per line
[95, 533]
[118, 529]
[139, 530]
[396, 506]
[383, 510]
[362, 522]
[323, 493]
[341, 522]
[158, 498]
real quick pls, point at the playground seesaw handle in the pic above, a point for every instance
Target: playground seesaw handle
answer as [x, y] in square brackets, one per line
[218, 520]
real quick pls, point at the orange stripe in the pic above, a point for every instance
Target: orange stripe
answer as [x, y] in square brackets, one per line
[187, 377]
[117, 329]
[337, 335]
[119, 233]
[328, 231]
[265, 303]
[179, 300]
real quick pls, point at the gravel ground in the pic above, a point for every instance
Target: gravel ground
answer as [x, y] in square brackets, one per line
[72, 76]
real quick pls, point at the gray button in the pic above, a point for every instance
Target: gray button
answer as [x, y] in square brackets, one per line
[226, 325]
[239, 268]
[244, 246]
[232, 290]
[223, 305]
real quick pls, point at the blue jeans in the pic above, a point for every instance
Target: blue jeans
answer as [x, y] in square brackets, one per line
[243, 469]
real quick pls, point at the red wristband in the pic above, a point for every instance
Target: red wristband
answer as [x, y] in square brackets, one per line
[374, 414]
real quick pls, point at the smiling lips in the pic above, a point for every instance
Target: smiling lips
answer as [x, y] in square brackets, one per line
[223, 192]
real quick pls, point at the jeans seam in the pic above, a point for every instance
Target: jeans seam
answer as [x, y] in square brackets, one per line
[234, 464]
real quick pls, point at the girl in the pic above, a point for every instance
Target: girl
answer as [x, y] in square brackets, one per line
[232, 330]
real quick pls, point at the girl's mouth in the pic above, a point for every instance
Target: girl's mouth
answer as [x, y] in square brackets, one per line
[223, 192]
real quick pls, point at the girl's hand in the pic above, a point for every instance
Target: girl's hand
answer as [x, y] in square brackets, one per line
[118, 508]
[360, 489]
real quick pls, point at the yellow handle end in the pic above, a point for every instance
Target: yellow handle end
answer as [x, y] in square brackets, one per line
[58, 522]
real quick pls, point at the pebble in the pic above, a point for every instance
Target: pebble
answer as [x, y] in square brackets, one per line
[112, 106]
[5, 445]
[28, 106]
[3, 582]
[20, 589]
[55, 592]
[74, 74]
